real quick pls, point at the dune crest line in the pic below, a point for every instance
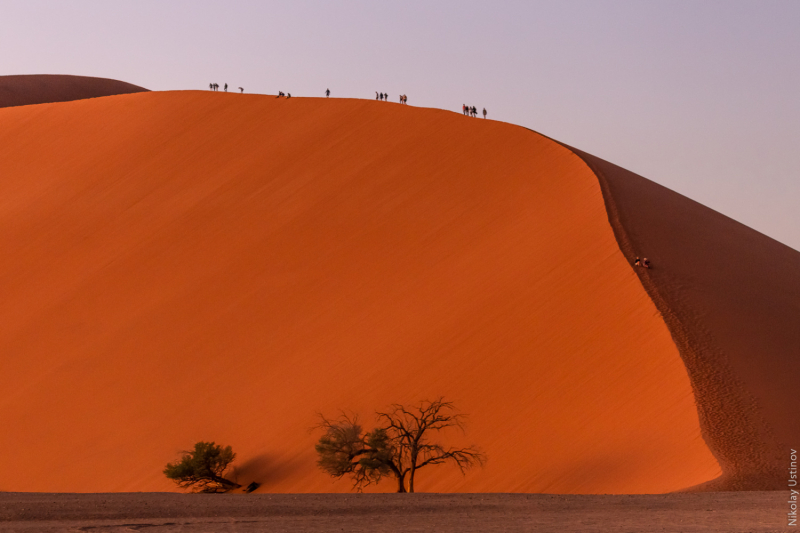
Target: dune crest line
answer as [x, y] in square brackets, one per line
[738, 408]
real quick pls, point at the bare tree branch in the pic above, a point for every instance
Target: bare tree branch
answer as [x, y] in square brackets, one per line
[399, 446]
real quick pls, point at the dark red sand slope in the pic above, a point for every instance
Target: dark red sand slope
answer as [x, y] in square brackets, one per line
[47, 88]
[731, 298]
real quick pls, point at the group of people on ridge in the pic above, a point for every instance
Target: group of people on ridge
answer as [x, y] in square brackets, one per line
[644, 263]
[385, 96]
[472, 110]
[467, 110]
[215, 87]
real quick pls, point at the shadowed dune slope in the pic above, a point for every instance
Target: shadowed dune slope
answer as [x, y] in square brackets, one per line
[48, 88]
[188, 265]
[731, 297]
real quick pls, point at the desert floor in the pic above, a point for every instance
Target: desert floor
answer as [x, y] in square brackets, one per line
[159, 512]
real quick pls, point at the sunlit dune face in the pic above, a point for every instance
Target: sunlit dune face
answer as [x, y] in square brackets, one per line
[206, 266]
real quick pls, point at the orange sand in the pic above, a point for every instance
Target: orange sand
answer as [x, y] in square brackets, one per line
[188, 265]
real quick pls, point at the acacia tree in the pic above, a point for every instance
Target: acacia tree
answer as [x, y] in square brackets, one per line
[203, 468]
[399, 446]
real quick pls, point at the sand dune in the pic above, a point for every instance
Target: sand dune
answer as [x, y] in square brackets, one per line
[731, 297]
[188, 265]
[48, 88]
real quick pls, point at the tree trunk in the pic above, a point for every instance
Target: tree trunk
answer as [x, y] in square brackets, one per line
[412, 469]
[227, 483]
[401, 483]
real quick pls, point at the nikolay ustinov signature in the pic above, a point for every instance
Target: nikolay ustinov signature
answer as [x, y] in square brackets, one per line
[793, 493]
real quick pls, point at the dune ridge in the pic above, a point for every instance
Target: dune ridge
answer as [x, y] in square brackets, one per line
[730, 296]
[193, 265]
[30, 89]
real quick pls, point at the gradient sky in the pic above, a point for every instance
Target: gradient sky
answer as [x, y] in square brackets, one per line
[700, 96]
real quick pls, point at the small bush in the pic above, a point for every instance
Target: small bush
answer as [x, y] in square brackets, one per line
[203, 468]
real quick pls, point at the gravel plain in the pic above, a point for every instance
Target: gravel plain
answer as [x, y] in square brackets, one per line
[729, 512]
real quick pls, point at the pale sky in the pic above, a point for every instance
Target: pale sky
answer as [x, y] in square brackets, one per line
[700, 96]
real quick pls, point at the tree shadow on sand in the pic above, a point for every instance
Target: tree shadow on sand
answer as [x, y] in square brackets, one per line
[265, 469]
